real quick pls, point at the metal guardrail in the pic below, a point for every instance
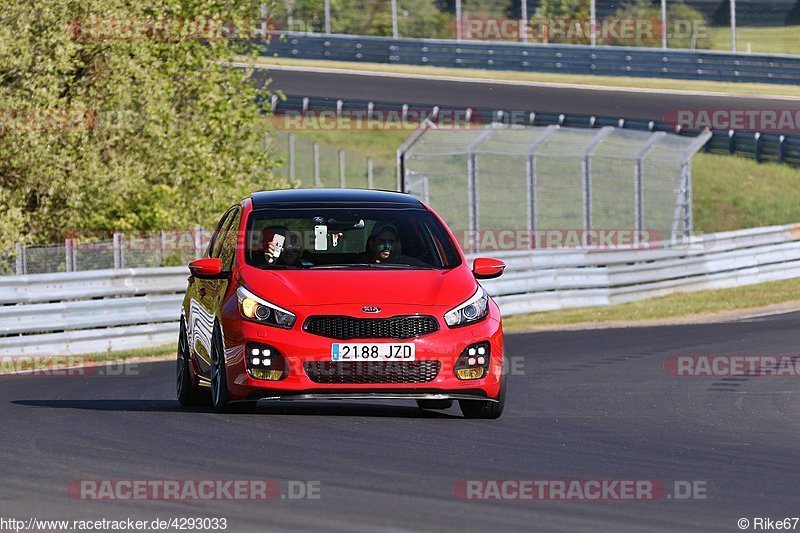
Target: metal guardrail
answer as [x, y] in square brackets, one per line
[760, 146]
[47, 321]
[567, 59]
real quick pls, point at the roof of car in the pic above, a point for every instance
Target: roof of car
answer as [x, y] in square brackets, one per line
[331, 196]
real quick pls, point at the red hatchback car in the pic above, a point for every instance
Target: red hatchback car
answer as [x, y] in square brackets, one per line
[340, 294]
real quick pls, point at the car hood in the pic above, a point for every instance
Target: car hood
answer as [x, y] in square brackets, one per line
[366, 287]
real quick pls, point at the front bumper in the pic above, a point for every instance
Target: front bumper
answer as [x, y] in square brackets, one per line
[343, 395]
[299, 347]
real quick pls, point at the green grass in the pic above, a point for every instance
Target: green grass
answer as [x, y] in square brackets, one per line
[733, 193]
[754, 89]
[761, 39]
[728, 192]
[63, 362]
[142, 353]
[682, 305]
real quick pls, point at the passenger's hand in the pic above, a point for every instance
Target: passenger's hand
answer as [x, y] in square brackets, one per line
[270, 253]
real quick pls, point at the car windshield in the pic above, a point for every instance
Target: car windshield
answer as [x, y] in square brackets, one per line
[348, 238]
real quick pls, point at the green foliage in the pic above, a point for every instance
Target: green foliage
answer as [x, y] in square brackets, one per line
[489, 9]
[416, 18]
[575, 13]
[167, 138]
[570, 9]
[686, 26]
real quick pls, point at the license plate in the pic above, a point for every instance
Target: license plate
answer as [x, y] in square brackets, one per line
[372, 352]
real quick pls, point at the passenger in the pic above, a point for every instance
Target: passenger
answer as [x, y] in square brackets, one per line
[290, 252]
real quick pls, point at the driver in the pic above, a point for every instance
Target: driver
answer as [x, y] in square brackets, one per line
[383, 246]
[383, 243]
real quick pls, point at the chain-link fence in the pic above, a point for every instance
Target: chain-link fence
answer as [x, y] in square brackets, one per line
[313, 164]
[555, 179]
[123, 250]
[744, 25]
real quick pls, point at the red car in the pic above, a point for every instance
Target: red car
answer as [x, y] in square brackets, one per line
[340, 294]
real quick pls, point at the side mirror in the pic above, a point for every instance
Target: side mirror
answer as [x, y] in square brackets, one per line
[485, 268]
[207, 268]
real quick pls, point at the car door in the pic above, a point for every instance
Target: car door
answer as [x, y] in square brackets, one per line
[207, 294]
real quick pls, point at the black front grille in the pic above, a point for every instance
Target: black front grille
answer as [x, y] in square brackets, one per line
[372, 371]
[347, 327]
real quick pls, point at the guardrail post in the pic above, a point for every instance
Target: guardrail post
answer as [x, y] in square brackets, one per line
[162, 247]
[291, 156]
[20, 249]
[731, 141]
[757, 146]
[370, 176]
[67, 255]
[315, 150]
[198, 242]
[342, 178]
[74, 249]
[116, 247]
[782, 149]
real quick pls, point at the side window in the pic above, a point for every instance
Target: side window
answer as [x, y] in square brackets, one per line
[212, 244]
[229, 241]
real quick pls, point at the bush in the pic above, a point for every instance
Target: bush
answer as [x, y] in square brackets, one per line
[686, 26]
[165, 136]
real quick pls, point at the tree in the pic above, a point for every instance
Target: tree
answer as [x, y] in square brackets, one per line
[562, 21]
[165, 137]
[687, 27]
[569, 9]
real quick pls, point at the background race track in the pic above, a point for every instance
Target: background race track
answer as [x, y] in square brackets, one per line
[627, 103]
[582, 405]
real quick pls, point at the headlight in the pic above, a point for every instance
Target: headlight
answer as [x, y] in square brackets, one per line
[259, 310]
[473, 310]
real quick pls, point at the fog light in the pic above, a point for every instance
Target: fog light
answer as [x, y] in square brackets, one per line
[470, 373]
[271, 375]
[265, 362]
[468, 366]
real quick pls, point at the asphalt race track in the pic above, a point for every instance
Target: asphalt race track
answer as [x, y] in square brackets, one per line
[631, 103]
[582, 405]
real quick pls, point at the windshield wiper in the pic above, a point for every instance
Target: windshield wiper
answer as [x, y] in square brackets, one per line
[345, 265]
[387, 266]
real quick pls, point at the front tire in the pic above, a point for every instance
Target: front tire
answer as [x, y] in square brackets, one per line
[219, 375]
[485, 409]
[189, 395]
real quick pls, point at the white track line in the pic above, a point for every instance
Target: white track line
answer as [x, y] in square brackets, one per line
[491, 81]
